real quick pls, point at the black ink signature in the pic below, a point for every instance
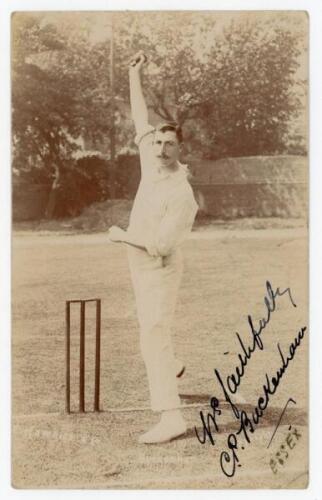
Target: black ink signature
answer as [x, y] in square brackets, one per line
[233, 380]
[248, 422]
[214, 403]
[290, 400]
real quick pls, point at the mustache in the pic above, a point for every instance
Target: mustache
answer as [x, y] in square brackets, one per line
[163, 157]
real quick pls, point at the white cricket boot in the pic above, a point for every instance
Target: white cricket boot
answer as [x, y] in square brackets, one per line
[171, 426]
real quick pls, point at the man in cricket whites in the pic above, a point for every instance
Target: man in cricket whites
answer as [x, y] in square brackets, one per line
[162, 217]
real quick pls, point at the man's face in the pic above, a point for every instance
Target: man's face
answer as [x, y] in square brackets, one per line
[166, 148]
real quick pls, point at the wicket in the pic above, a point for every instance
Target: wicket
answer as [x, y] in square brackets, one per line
[82, 354]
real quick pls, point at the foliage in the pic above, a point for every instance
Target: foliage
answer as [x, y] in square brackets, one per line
[234, 85]
[53, 98]
[82, 183]
[235, 90]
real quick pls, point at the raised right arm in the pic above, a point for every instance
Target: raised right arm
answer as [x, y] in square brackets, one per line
[139, 108]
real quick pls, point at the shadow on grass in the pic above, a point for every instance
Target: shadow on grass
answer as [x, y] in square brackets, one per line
[195, 398]
[270, 418]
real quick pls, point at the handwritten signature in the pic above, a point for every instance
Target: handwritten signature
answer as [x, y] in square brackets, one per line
[248, 421]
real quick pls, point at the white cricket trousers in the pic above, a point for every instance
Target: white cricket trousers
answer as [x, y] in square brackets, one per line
[156, 282]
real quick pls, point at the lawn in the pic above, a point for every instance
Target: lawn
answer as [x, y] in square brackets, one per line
[224, 281]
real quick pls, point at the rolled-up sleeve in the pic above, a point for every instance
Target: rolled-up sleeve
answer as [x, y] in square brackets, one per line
[174, 227]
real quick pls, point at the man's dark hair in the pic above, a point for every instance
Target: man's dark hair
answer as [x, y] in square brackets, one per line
[172, 127]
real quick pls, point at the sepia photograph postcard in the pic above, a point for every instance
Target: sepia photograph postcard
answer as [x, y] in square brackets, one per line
[159, 249]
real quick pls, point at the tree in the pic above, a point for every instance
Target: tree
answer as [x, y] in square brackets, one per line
[231, 81]
[55, 98]
[254, 96]
[236, 90]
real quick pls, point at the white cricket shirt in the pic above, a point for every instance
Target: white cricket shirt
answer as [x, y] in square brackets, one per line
[164, 208]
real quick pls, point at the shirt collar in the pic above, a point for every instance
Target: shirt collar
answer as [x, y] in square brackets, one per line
[178, 174]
